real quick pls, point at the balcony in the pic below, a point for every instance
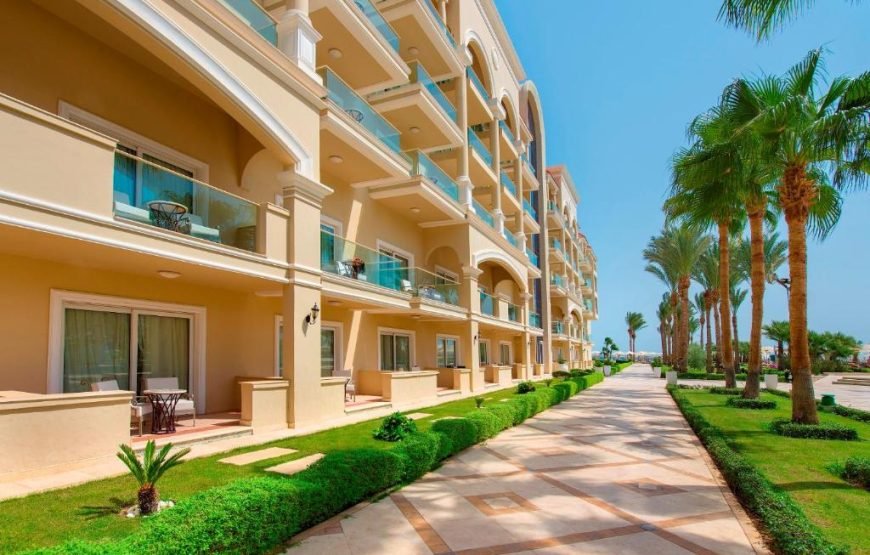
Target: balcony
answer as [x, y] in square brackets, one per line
[511, 238]
[558, 328]
[487, 304]
[530, 209]
[423, 34]
[529, 174]
[530, 217]
[254, 15]
[554, 215]
[535, 320]
[533, 258]
[557, 250]
[483, 213]
[422, 110]
[350, 260]
[510, 201]
[507, 143]
[480, 166]
[514, 312]
[479, 110]
[429, 195]
[586, 286]
[357, 143]
[358, 43]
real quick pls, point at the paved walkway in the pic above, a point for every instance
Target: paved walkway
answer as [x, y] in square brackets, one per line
[613, 470]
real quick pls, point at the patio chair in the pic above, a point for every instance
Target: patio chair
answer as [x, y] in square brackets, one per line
[140, 409]
[185, 405]
[349, 386]
[407, 287]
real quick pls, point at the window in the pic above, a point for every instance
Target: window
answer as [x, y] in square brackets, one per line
[446, 352]
[327, 245]
[483, 351]
[393, 266]
[395, 350]
[330, 347]
[504, 353]
[98, 338]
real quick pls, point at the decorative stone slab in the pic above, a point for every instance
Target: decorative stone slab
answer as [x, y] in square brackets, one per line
[418, 415]
[257, 456]
[294, 467]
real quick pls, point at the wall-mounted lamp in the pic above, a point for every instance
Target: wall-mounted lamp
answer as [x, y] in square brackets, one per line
[475, 338]
[312, 317]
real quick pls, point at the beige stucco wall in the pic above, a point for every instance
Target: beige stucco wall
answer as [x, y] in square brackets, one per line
[240, 326]
[264, 404]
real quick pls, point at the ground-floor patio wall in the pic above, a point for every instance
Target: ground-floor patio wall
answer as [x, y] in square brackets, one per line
[239, 335]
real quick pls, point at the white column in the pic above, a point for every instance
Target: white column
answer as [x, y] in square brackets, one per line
[496, 167]
[466, 188]
[297, 37]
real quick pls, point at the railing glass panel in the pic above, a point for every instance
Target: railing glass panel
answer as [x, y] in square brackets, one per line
[441, 23]
[479, 147]
[507, 131]
[532, 256]
[254, 15]
[557, 280]
[535, 320]
[425, 167]
[558, 328]
[487, 304]
[357, 108]
[513, 312]
[478, 84]
[483, 213]
[508, 184]
[511, 239]
[150, 191]
[435, 287]
[345, 258]
[379, 22]
[421, 76]
[530, 208]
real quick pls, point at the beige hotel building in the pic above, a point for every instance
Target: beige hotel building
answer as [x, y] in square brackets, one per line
[299, 212]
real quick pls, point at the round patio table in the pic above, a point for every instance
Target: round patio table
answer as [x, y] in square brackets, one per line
[167, 214]
[163, 403]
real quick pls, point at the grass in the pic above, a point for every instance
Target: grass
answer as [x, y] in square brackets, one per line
[90, 511]
[801, 467]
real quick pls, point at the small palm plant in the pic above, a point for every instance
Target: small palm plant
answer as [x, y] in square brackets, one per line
[149, 470]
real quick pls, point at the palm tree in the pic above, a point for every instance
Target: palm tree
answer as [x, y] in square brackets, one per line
[763, 17]
[809, 136]
[149, 470]
[778, 331]
[701, 306]
[678, 248]
[635, 322]
[707, 275]
[737, 297]
[663, 313]
[667, 274]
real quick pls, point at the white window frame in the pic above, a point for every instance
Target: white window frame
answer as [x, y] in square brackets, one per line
[397, 331]
[510, 347]
[60, 300]
[338, 329]
[455, 338]
[332, 222]
[488, 344]
[397, 250]
[441, 271]
[142, 144]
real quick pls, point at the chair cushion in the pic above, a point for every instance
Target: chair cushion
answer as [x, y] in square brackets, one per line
[140, 411]
[161, 383]
[184, 406]
[106, 385]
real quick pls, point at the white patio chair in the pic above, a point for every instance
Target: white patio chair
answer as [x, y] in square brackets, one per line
[185, 405]
[140, 409]
[349, 386]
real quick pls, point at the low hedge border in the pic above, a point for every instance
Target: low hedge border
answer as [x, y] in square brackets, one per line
[854, 414]
[717, 390]
[789, 530]
[788, 428]
[719, 376]
[856, 470]
[754, 404]
[255, 515]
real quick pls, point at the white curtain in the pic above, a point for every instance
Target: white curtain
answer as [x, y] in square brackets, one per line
[164, 349]
[96, 347]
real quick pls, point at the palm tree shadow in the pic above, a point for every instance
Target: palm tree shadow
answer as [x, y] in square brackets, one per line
[114, 507]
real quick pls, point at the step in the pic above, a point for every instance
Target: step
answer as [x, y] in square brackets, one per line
[356, 409]
[196, 438]
[449, 392]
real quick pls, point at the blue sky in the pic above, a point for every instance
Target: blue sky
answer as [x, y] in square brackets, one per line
[620, 80]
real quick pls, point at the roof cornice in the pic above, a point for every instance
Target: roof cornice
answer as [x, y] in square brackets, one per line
[494, 20]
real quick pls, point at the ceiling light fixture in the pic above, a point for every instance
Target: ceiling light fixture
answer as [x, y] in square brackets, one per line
[413, 51]
[168, 274]
[414, 130]
[336, 159]
[335, 53]
[415, 210]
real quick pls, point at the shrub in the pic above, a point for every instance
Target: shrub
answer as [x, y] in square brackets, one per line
[505, 413]
[757, 404]
[548, 396]
[567, 389]
[461, 432]
[561, 374]
[779, 393]
[697, 357]
[788, 428]
[523, 408]
[486, 423]
[857, 471]
[726, 390]
[788, 528]
[395, 427]
[525, 387]
[854, 414]
[548, 381]
[149, 470]
[478, 401]
[419, 452]
[657, 361]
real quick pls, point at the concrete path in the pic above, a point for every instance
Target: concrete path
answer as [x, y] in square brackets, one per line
[613, 470]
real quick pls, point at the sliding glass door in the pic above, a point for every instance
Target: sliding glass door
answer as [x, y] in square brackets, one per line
[163, 349]
[446, 352]
[395, 351]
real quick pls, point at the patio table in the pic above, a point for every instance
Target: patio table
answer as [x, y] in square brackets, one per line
[163, 403]
[167, 214]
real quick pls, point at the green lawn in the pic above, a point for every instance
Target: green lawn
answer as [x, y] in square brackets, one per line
[799, 466]
[90, 511]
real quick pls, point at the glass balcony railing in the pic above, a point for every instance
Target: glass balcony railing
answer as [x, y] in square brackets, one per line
[367, 8]
[421, 76]
[441, 23]
[423, 166]
[535, 320]
[588, 304]
[508, 184]
[587, 283]
[478, 84]
[434, 287]
[479, 148]
[511, 239]
[149, 191]
[532, 256]
[508, 134]
[514, 312]
[557, 245]
[551, 207]
[487, 304]
[254, 15]
[483, 213]
[558, 328]
[557, 280]
[359, 110]
[345, 258]
[529, 207]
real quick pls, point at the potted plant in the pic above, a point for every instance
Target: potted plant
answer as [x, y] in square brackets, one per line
[771, 379]
[563, 364]
[607, 367]
[672, 377]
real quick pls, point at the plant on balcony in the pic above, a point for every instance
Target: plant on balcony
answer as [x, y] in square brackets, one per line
[395, 427]
[525, 387]
[149, 470]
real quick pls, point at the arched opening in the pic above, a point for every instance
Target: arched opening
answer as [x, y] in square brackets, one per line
[479, 66]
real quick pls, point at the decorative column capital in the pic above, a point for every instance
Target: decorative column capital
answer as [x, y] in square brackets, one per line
[470, 272]
[297, 39]
[296, 186]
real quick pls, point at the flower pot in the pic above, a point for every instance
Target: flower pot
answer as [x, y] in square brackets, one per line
[672, 377]
[657, 370]
[771, 381]
[563, 366]
[606, 369]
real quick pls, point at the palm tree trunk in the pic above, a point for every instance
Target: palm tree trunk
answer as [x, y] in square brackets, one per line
[685, 282]
[756, 280]
[718, 321]
[675, 331]
[701, 321]
[736, 344]
[709, 339]
[725, 303]
[664, 343]
[780, 352]
[796, 193]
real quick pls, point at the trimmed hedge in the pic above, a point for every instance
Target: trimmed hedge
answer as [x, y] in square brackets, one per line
[788, 428]
[857, 471]
[788, 528]
[716, 390]
[854, 414]
[755, 404]
[254, 515]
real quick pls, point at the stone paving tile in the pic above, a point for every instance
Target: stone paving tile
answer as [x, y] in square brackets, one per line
[418, 415]
[257, 456]
[615, 470]
[293, 467]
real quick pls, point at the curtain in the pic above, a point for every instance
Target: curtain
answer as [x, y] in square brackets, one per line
[164, 349]
[388, 361]
[483, 350]
[403, 352]
[96, 348]
[161, 185]
[327, 246]
[327, 352]
[124, 181]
